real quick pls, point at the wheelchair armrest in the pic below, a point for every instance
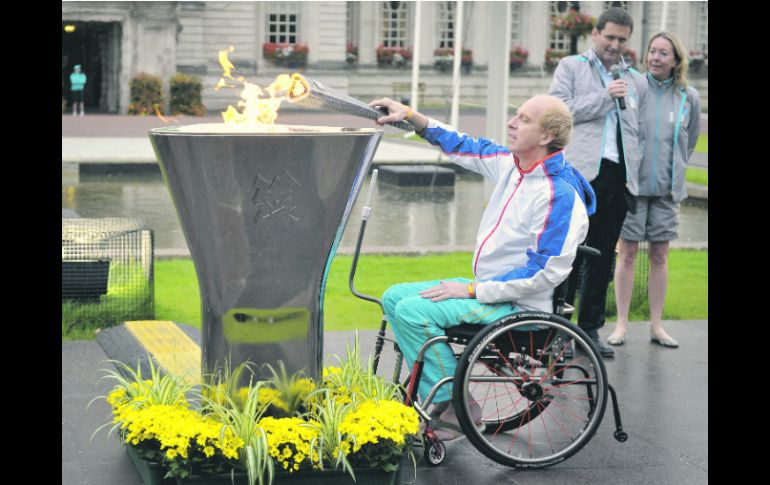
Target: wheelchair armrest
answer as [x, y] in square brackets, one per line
[588, 251]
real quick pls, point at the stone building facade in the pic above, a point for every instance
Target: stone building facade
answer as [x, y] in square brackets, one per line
[115, 41]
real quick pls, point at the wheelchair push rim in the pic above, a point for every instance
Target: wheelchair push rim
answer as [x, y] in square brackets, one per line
[538, 408]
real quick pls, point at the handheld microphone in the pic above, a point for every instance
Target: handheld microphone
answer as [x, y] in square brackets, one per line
[615, 70]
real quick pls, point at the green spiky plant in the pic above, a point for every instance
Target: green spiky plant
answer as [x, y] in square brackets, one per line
[328, 446]
[160, 389]
[293, 389]
[241, 418]
[361, 380]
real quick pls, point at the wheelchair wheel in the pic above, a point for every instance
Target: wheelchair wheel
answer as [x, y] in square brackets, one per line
[538, 409]
[434, 453]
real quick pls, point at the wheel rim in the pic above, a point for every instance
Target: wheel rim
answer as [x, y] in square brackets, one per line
[537, 408]
[436, 453]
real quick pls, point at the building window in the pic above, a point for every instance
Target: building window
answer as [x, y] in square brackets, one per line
[515, 24]
[446, 24]
[394, 26]
[703, 26]
[623, 5]
[354, 12]
[283, 22]
[558, 41]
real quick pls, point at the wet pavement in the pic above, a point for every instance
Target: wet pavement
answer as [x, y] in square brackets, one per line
[663, 396]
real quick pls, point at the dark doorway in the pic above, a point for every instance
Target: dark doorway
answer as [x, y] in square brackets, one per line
[93, 45]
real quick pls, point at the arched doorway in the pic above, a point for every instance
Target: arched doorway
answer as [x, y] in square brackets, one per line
[96, 47]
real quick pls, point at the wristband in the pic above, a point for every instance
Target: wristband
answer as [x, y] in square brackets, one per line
[408, 114]
[470, 290]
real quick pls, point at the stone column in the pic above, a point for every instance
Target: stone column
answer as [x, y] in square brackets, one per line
[369, 36]
[534, 31]
[157, 27]
[325, 28]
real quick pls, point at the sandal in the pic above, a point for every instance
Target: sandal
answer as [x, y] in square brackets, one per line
[616, 339]
[664, 342]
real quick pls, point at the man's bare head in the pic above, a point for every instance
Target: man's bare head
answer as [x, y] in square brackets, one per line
[542, 125]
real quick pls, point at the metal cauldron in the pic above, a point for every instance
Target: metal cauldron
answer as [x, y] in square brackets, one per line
[262, 214]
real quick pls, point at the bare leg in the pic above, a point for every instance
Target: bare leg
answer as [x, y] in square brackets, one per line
[657, 286]
[624, 285]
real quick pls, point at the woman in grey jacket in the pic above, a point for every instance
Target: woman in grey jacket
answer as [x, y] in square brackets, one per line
[671, 124]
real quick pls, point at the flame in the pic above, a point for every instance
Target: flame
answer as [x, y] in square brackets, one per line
[163, 118]
[260, 106]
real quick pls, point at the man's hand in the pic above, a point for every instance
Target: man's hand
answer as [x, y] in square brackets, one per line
[446, 290]
[618, 88]
[396, 110]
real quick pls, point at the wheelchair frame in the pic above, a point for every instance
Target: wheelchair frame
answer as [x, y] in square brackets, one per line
[536, 375]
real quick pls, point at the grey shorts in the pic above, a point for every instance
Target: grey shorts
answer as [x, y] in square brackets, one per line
[656, 220]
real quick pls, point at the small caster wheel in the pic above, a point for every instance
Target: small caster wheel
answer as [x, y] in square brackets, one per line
[621, 436]
[435, 452]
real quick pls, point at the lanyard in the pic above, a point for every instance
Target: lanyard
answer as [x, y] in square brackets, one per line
[677, 126]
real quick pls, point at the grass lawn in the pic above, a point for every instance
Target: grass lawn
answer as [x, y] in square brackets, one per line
[177, 297]
[698, 176]
[703, 144]
[176, 288]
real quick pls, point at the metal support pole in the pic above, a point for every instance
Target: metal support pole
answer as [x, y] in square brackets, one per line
[458, 40]
[416, 56]
[499, 24]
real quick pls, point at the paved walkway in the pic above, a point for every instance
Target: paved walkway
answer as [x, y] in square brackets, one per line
[663, 396]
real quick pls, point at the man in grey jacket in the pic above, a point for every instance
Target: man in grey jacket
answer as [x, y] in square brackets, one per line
[606, 148]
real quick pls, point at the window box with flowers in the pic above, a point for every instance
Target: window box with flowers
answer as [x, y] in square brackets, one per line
[467, 60]
[696, 60]
[351, 54]
[573, 23]
[282, 54]
[443, 59]
[552, 58]
[393, 56]
[518, 57]
[287, 429]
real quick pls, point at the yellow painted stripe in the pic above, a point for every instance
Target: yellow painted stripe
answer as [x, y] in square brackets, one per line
[171, 348]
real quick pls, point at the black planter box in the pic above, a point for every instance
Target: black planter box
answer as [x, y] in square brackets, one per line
[84, 280]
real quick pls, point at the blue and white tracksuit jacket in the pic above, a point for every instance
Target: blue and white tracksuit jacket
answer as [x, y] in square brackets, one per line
[527, 241]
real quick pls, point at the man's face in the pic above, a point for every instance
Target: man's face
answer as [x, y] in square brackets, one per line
[524, 131]
[609, 43]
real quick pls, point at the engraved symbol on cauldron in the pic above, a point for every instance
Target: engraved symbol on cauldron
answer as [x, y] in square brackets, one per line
[274, 197]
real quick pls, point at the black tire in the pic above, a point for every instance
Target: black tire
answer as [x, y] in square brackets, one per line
[538, 409]
[434, 453]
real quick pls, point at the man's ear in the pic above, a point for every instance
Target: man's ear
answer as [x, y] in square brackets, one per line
[546, 139]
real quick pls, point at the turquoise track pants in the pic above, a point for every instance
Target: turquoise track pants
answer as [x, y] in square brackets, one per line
[415, 320]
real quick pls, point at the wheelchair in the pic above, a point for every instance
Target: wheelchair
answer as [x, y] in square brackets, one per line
[538, 408]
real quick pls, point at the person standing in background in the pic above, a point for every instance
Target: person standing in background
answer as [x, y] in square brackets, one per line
[77, 84]
[606, 98]
[672, 126]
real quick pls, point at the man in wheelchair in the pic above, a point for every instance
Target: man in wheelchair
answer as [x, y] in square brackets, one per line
[527, 240]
